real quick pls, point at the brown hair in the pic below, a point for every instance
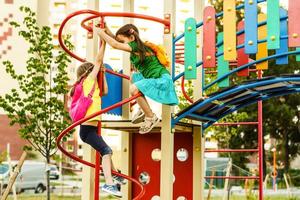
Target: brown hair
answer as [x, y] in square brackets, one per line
[83, 71]
[129, 30]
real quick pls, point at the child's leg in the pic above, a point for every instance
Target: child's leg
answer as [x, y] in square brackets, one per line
[142, 101]
[89, 135]
[106, 167]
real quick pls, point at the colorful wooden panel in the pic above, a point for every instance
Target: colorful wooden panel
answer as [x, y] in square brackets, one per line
[229, 22]
[209, 37]
[251, 27]
[298, 55]
[190, 49]
[283, 42]
[273, 24]
[294, 28]
[223, 65]
[262, 47]
[242, 57]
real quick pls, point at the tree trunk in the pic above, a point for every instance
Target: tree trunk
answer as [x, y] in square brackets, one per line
[48, 178]
[264, 159]
[286, 152]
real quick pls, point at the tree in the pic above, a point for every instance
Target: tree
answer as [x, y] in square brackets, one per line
[37, 103]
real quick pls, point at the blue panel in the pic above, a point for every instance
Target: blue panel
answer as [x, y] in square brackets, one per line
[283, 42]
[114, 92]
[251, 27]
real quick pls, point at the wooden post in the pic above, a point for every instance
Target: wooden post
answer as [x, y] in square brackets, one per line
[12, 179]
[228, 170]
[10, 170]
[126, 137]
[198, 138]
[87, 192]
[211, 183]
[167, 137]
[287, 185]
[266, 181]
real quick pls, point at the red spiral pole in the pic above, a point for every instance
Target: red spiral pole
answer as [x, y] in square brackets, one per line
[96, 14]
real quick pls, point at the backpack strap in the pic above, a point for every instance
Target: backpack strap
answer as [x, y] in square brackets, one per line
[92, 91]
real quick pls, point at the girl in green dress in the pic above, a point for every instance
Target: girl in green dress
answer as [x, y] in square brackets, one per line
[151, 78]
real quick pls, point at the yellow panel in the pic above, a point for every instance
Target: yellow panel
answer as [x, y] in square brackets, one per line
[229, 21]
[116, 5]
[262, 47]
[144, 7]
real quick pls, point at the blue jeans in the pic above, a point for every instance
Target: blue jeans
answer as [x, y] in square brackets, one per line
[88, 134]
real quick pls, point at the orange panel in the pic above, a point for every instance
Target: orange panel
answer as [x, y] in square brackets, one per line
[262, 47]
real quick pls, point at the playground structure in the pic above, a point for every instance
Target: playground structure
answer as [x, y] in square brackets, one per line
[257, 34]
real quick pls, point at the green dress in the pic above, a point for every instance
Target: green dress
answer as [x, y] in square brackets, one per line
[152, 78]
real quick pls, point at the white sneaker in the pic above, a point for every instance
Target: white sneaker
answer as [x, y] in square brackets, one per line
[138, 117]
[149, 124]
[112, 189]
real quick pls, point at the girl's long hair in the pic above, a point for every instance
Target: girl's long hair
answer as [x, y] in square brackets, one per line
[129, 30]
[83, 71]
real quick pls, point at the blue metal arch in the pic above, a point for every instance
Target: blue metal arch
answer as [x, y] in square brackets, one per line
[260, 95]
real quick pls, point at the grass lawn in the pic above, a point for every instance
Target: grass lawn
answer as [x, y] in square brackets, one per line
[265, 198]
[53, 197]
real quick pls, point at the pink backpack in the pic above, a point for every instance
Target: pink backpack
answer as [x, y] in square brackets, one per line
[80, 103]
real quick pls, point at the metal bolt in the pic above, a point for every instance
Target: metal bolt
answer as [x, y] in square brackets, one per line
[229, 9]
[209, 18]
[273, 37]
[295, 35]
[190, 68]
[208, 57]
[250, 42]
[229, 49]
[250, 2]
[189, 28]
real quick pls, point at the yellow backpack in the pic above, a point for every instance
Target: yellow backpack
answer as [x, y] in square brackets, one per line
[160, 53]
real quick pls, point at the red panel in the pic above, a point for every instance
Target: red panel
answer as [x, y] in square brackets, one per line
[294, 28]
[183, 171]
[209, 37]
[242, 58]
[142, 146]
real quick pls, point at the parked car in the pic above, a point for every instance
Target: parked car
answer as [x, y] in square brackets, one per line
[31, 176]
[54, 173]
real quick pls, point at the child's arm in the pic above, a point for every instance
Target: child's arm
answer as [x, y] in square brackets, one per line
[108, 31]
[98, 61]
[105, 87]
[112, 42]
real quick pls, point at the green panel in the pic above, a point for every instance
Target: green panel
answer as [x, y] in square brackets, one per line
[190, 49]
[223, 66]
[273, 24]
[298, 55]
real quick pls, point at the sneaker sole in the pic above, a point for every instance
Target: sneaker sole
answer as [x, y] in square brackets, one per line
[138, 120]
[119, 182]
[109, 192]
[153, 125]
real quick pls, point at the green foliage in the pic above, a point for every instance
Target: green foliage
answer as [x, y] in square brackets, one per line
[3, 156]
[37, 104]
